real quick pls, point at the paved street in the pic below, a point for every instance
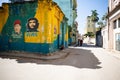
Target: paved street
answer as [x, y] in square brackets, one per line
[82, 63]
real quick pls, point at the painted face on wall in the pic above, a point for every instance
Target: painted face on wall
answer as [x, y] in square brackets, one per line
[17, 26]
[32, 25]
[16, 35]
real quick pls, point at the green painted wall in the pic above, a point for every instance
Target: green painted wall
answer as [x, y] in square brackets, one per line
[16, 32]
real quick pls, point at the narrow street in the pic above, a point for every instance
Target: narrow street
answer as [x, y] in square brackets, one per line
[82, 63]
[37, 40]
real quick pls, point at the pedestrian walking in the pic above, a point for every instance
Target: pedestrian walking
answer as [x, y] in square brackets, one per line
[78, 36]
[81, 42]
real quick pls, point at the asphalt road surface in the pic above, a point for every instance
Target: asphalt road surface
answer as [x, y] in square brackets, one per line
[83, 63]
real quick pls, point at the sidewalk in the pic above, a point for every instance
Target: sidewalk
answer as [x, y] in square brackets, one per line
[115, 53]
[51, 56]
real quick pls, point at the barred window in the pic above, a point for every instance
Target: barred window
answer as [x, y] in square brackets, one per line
[114, 24]
[119, 23]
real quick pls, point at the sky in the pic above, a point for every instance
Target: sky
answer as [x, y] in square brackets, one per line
[84, 8]
[1, 1]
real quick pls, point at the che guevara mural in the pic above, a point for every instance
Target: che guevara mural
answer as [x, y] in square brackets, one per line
[32, 33]
[32, 25]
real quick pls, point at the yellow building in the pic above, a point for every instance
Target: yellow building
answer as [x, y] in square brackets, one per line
[90, 26]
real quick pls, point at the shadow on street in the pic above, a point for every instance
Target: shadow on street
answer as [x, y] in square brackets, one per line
[79, 58]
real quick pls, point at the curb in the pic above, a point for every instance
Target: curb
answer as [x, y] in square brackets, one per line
[56, 55]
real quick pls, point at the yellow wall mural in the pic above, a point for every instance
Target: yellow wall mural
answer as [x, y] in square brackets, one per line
[32, 37]
[49, 18]
[33, 33]
[47, 21]
[42, 15]
[4, 13]
[36, 26]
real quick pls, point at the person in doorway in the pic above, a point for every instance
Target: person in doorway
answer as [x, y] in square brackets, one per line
[81, 41]
[78, 36]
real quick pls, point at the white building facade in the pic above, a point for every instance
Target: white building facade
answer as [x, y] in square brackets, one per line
[114, 25]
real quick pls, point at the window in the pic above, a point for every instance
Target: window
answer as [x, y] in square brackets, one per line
[88, 25]
[115, 3]
[114, 24]
[118, 41]
[119, 23]
[88, 21]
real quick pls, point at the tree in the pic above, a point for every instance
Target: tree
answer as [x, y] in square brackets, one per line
[94, 16]
[89, 34]
[104, 18]
[101, 25]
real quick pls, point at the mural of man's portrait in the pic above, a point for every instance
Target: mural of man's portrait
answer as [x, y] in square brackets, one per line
[16, 33]
[17, 27]
[32, 25]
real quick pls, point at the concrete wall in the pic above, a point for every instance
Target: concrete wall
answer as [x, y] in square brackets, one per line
[105, 37]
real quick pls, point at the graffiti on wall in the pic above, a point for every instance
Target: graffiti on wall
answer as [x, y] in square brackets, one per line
[16, 35]
[32, 33]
